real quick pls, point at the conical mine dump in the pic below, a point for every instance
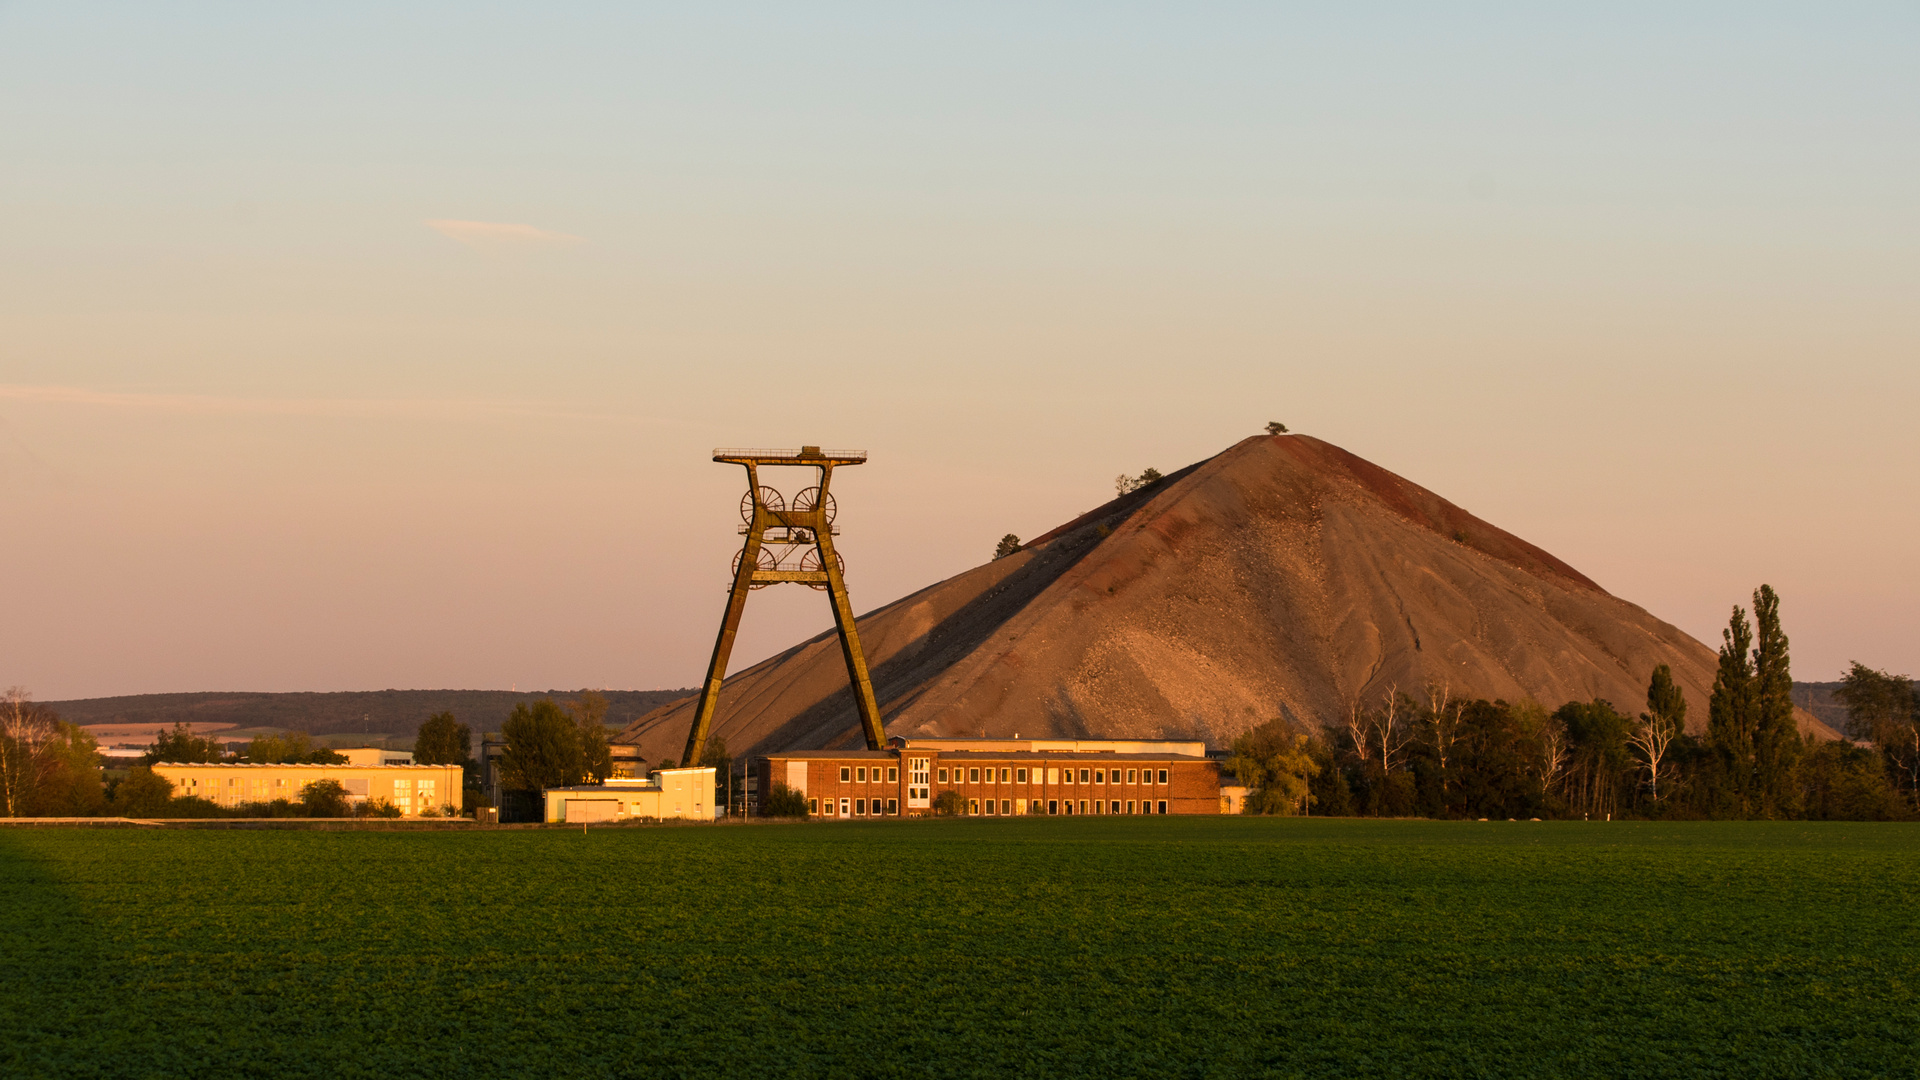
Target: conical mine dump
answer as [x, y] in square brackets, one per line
[1284, 577]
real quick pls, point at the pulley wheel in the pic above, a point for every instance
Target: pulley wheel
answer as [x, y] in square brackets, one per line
[769, 498]
[808, 498]
[766, 561]
[811, 562]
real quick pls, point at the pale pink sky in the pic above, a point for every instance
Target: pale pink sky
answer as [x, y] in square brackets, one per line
[346, 349]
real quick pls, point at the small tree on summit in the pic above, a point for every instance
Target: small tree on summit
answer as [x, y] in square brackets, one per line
[1275, 427]
[1008, 545]
[1124, 483]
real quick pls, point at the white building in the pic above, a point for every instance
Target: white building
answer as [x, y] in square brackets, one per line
[668, 793]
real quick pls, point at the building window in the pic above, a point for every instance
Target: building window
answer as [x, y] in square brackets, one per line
[973, 776]
[943, 776]
[1066, 776]
[991, 807]
[1130, 806]
[893, 806]
[813, 806]
[1163, 806]
[1163, 779]
[860, 775]
[1130, 776]
[860, 807]
[1083, 776]
[1083, 806]
[1099, 776]
[893, 774]
[846, 774]
[1006, 806]
[1020, 776]
[1115, 808]
[846, 807]
[973, 806]
[1053, 806]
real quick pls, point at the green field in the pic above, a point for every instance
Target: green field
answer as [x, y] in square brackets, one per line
[1162, 947]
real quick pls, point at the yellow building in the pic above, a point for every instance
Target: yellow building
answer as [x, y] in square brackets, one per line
[414, 789]
[668, 793]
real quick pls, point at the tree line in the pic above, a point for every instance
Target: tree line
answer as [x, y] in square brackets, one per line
[1445, 757]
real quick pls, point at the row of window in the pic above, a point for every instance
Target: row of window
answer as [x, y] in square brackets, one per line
[853, 807]
[993, 807]
[859, 774]
[1055, 776]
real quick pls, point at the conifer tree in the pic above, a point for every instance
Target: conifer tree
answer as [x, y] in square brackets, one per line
[1776, 744]
[1730, 714]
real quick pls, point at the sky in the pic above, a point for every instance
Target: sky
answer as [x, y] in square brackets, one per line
[352, 346]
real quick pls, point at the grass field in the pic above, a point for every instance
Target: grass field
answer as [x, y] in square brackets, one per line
[1166, 947]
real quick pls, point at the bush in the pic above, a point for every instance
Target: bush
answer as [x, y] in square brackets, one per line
[142, 793]
[325, 798]
[950, 803]
[376, 808]
[784, 801]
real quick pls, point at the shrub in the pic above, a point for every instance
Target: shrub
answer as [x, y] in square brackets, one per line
[950, 803]
[325, 798]
[784, 801]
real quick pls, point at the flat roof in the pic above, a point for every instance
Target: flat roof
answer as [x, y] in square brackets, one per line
[981, 755]
[289, 765]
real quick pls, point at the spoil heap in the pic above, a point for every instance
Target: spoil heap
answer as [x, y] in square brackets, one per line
[1283, 577]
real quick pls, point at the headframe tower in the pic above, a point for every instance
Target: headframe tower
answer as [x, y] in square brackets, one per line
[807, 523]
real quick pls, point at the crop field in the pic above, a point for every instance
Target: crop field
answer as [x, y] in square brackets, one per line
[1163, 947]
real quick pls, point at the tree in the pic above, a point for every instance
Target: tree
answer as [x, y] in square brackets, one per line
[182, 747]
[1776, 735]
[325, 798]
[27, 750]
[1597, 737]
[589, 715]
[1731, 721]
[1885, 709]
[543, 748]
[1008, 545]
[1665, 718]
[442, 740]
[1124, 483]
[142, 793]
[1275, 427]
[950, 803]
[1839, 781]
[70, 782]
[1276, 766]
[290, 748]
[784, 801]
[715, 756]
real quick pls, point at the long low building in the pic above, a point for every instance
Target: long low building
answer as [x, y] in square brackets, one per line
[685, 794]
[415, 790]
[1001, 777]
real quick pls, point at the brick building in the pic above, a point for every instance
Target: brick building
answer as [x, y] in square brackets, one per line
[1001, 777]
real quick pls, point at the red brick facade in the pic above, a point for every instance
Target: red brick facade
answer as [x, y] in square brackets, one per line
[995, 783]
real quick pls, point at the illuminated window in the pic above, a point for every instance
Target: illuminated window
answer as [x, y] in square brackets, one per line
[1130, 778]
[1130, 806]
[1083, 806]
[973, 806]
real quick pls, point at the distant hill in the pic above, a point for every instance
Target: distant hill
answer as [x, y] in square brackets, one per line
[370, 712]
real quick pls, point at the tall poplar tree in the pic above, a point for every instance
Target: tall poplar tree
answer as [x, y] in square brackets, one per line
[1776, 742]
[1730, 716]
